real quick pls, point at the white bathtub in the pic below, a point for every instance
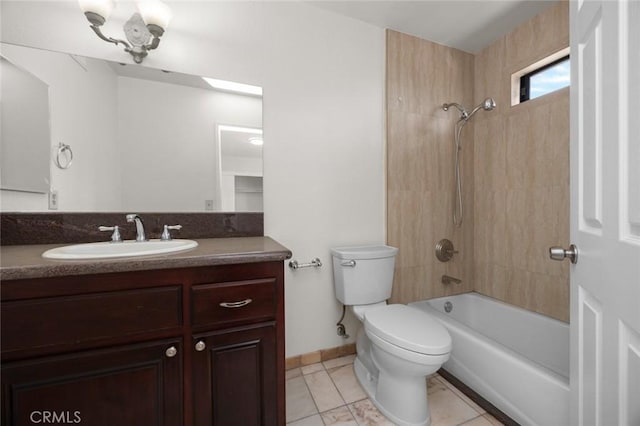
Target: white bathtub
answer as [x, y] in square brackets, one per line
[516, 359]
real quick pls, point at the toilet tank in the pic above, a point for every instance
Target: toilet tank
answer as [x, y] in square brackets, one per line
[363, 274]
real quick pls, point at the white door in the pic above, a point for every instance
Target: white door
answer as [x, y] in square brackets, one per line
[605, 212]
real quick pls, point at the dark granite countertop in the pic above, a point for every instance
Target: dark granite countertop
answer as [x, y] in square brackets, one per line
[26, 261]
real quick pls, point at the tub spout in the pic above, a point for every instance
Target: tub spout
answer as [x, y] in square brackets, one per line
[446, 279]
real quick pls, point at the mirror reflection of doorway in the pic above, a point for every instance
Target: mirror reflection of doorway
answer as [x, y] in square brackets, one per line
[248, 193]
[240, 168]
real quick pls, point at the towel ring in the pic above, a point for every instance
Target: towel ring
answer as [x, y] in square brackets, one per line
[63, 161]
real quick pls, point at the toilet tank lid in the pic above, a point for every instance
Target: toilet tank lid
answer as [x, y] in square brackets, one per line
[364, 252]
[409, 328]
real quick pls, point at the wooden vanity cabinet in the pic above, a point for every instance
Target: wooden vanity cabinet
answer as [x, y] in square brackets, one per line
[189, 346]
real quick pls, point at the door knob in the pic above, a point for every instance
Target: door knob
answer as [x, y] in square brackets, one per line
[558, 253]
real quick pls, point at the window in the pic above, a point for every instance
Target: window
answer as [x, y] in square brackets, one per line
[546, 79]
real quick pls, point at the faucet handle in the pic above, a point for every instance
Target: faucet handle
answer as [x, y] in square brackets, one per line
[115, 237]
[166, 235]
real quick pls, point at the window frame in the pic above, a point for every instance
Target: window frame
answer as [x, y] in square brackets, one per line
[525, 80]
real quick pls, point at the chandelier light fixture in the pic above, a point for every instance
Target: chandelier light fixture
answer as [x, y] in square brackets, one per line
[143, 29]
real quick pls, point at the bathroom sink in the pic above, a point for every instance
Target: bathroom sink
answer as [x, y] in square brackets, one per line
[129, 248]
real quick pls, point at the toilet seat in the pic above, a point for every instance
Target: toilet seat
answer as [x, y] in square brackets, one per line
[408, 328]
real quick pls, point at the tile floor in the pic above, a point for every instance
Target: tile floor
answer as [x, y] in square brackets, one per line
[328, 393]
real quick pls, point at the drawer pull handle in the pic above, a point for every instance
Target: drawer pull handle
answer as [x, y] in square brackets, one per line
[236, 304]
[200, 346]
[171, 352]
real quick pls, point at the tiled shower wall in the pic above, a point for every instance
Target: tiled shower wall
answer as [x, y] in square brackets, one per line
[515, 166]
[521, 173]
[421, 76]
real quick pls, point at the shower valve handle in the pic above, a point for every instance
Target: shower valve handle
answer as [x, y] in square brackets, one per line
[445, 250]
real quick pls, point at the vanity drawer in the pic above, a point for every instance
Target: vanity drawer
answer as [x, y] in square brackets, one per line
[220, 304]
[54, 323]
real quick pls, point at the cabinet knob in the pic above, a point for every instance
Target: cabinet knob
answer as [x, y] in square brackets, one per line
[200, 346]
[171, 352]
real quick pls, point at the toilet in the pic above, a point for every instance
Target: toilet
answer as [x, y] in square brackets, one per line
[398, 345]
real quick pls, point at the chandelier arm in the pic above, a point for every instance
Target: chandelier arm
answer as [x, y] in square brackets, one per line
[154, 43]
[109, 39]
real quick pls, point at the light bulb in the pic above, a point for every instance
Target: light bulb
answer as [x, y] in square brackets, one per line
[99, 7]
[154, 12]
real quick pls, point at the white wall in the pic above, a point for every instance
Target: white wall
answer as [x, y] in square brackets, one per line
[93, 181]
[323, 79]
[167, 127]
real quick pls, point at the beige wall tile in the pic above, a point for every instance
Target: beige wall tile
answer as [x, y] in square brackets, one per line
[421, 76]
[521, 179]
[515, 163]
[328, 354]
[546, 33]
[310, 358]
[293, 362]
[490, 74]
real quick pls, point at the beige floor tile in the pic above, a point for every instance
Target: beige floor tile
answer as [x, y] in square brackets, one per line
[339, 362]
[434, 384]
[345, 380]
[464, 397]
[312, 368]
[294, 372]
[316, 397]
[323, 391]
[314, 420]
[492, 420]
[366, 414]
[299, 401]
[339, 416]
[448, 409]
[478, 421]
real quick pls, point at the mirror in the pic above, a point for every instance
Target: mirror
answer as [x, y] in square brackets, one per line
[24, 137]
[142, 139]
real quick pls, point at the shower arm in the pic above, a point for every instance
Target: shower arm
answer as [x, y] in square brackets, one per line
[468, 117]
[463, 112]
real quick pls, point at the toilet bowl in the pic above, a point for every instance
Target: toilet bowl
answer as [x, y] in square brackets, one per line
[404, 346]
[397, 345]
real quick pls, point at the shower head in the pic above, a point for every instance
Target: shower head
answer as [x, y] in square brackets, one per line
[488, 105]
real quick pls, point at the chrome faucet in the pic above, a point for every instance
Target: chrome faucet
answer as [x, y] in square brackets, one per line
[446, 279]
[140, 235]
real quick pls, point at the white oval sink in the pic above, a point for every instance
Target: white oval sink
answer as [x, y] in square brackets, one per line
[110, 249]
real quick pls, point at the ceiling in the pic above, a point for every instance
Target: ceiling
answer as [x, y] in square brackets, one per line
[468, 25]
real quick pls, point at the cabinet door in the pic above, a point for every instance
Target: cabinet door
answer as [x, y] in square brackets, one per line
[235, 377]
[128, 385]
